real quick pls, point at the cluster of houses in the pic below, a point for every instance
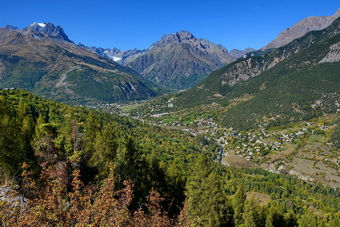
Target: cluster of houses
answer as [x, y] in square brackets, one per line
[251, 144]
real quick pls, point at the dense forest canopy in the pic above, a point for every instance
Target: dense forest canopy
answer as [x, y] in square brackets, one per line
[81, 166]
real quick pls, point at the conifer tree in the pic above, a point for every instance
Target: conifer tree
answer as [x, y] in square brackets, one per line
[238, 200]
[206, 202]
[309, 219]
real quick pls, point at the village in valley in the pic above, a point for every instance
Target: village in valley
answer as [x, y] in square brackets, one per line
[302, 149]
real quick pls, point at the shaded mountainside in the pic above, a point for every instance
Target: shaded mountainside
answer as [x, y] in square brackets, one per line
[41, 59]
[294, 82]
[301, 28]
[176, 61]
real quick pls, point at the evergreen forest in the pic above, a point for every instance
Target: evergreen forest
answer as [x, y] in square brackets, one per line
[81, 167]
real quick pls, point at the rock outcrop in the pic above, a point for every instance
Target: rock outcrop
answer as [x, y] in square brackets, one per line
[11, 197]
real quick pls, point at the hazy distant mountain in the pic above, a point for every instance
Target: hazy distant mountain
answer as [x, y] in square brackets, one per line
[236, 53]
[42, 59]
[301, 28]
[115, 54]
[11, 28]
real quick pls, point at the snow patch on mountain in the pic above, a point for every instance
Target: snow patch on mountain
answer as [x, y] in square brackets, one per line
[42, 24]
[116, 58]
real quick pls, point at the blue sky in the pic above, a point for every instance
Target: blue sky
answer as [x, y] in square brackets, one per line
[128, 24]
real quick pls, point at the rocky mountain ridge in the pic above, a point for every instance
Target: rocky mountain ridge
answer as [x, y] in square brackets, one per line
[48, 30]
[41, 59]
[308, 24]
[176, 61]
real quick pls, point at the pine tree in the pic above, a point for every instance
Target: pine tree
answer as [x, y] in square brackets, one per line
[252, 213]
[275, 217]
[206, 202]
[309, 219]
[238, 200]
[91, 129]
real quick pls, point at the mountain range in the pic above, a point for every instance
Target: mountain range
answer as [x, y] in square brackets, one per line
[42, 59]
[297, 81]
[176, 61]
[180, 60]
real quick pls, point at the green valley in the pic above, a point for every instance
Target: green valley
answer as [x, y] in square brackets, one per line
[56, 140]
[87, 141]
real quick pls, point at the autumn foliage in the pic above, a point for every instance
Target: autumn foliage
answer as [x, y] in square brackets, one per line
[55, 203]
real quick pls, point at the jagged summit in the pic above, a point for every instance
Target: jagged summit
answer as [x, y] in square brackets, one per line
[175, 38]
[48, 29]
[184, 35]
[178, 36]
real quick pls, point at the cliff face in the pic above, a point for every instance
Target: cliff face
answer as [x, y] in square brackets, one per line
[333, 54]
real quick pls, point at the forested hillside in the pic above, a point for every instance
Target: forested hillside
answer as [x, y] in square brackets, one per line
[79, 166]
[296, 82]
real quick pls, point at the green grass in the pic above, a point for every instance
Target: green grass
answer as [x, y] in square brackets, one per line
[315, 138]
[170, 119]
[127, 108]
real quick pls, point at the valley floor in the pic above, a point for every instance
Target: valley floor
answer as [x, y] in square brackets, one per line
[302, 149]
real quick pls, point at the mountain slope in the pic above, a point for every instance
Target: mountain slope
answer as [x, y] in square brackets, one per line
[44, 61]
[301, 28]
[294, 82]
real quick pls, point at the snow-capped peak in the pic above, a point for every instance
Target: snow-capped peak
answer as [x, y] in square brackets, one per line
[48, 29]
